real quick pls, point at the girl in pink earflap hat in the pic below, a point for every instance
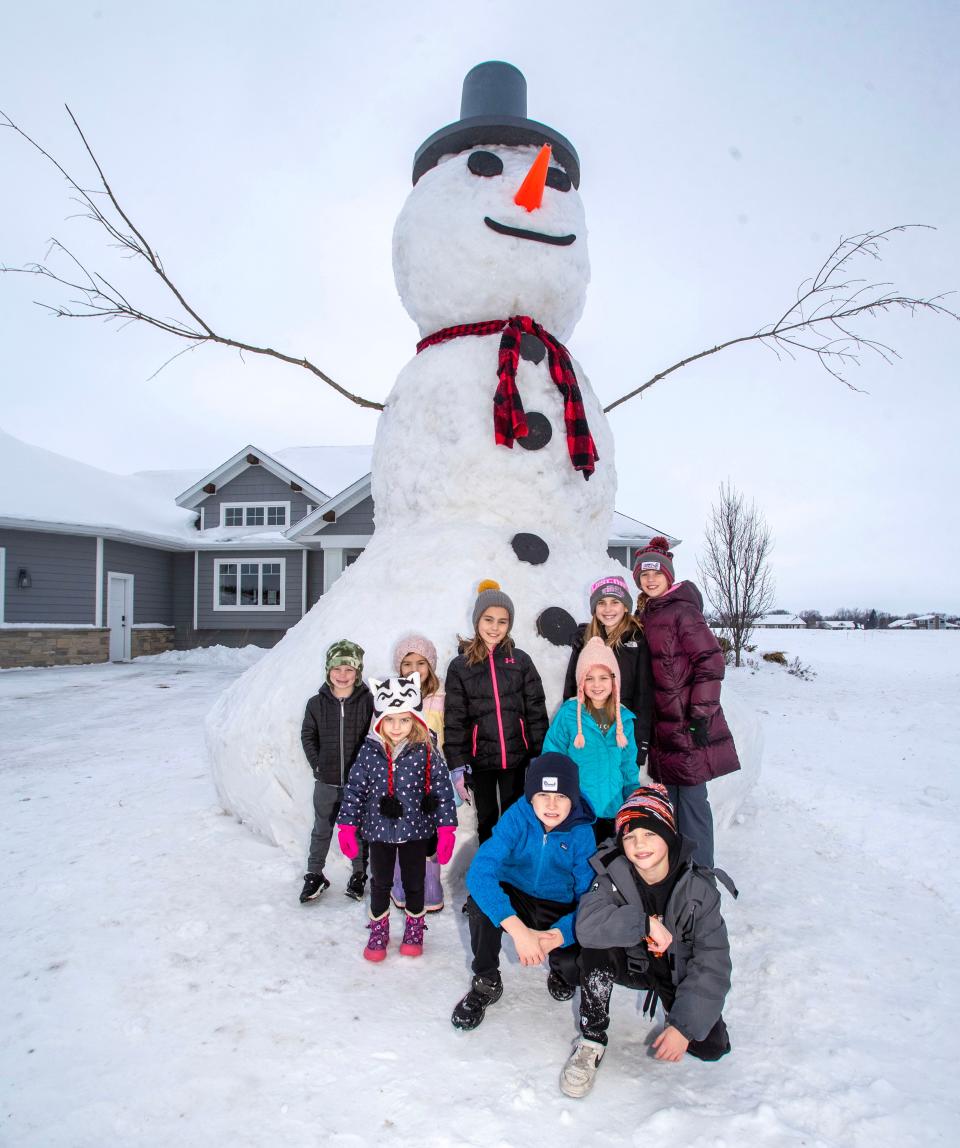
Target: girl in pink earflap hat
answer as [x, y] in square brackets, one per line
[597, 732]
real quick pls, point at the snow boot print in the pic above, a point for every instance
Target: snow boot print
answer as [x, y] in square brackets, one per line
[379, 928]
[412, 943]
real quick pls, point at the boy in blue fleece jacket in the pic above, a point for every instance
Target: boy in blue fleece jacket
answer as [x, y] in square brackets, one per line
[526, 881]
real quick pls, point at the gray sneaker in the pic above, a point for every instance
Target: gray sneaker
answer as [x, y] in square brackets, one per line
[578, 1073]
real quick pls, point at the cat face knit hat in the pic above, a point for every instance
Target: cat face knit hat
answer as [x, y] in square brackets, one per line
[489, 594]
[345, 653]
[656, 555]
[612, 587]
[597, 653]
[647, 808]
[392, 696]
[415, 644]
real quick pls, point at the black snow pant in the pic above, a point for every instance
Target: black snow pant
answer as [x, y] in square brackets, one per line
[412, 856]
[485, 783]
[601, 969]
[326, 806]
[486, 937]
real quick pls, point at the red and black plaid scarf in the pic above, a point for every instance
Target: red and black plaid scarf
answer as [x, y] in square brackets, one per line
[509, 420]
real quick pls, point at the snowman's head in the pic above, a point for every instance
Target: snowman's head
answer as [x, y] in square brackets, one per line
[464, 250]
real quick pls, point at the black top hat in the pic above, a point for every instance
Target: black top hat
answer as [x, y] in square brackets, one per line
[493, 110]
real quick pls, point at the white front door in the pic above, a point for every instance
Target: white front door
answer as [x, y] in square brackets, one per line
[120, 615]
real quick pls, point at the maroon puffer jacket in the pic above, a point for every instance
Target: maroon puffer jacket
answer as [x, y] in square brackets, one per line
[687, 671]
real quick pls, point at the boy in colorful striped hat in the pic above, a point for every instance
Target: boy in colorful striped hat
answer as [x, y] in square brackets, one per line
[651, 920]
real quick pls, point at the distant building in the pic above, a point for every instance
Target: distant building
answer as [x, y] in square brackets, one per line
[924, 622]
[827, 624]
[97, 566]
[780, 622]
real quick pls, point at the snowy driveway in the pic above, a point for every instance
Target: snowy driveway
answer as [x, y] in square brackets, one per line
[161, 985]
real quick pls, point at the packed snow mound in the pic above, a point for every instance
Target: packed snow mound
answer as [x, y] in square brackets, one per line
[728, 793]
[451, 267]
[239, 656]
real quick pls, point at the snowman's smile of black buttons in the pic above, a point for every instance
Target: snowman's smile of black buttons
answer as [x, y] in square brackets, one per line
[488, 164]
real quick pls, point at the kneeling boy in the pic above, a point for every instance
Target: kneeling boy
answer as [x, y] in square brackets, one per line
[651, 920]
[526, 881]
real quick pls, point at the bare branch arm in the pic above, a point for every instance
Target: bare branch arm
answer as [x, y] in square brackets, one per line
[827, 301]
[99, 299]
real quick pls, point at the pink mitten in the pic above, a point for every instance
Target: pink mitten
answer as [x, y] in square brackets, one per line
[446, 835]
[347, 840]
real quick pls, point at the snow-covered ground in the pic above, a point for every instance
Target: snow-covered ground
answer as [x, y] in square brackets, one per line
[161, 984]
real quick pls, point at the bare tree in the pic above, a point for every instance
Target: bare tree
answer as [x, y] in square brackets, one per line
[734, 566]
[818, 321]
[813, 618]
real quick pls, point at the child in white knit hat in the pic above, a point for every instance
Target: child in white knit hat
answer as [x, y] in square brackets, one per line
[597, 732]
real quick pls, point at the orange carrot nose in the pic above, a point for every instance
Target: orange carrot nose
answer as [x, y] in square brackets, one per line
[530, 194]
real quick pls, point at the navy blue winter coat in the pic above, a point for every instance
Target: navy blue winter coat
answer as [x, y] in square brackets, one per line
[367, 783]
[552, 866]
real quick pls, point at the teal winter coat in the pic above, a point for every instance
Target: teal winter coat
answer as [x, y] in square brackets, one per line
[608, 774]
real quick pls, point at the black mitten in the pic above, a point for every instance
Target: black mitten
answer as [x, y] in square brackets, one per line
[699, 728]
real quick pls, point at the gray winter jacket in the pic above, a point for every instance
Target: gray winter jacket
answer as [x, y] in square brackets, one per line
[611, 916]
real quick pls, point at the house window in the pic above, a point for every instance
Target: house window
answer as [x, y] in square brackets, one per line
[249, 585]
[256, 514]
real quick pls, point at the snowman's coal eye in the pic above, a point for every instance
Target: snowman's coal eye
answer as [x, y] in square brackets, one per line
[485, 163]
[558, 179]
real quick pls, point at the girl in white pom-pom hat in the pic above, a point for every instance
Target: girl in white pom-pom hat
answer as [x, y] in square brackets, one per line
[596, 731]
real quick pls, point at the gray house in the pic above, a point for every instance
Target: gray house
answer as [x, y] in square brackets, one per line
[97, 566]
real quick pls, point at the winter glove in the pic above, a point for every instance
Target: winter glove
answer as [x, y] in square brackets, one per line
[460, 785]
[446, 835]
[699, 731]
[643, 748]
[347, 840]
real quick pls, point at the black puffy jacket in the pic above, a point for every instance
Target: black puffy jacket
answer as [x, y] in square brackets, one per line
[636, 678]
[333, 730]
[495, 714]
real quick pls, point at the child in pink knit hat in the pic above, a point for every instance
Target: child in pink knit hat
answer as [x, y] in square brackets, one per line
[598, 733]
[612, 619]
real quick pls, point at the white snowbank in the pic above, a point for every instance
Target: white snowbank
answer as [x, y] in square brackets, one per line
[240, 657]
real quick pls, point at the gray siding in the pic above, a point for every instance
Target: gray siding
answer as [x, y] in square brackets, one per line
[618, 554]
[183, 591]
[63, 572]
[152, 572]
[269, 619]
[357, 520]
[255, 484]
[314, 576]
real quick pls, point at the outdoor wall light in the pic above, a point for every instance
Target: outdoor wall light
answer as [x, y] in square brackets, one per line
[24, 581]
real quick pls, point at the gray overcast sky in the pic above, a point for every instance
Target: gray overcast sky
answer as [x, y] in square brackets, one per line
[265, 150]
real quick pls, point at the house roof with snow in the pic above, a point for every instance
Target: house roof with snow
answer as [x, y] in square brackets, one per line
[43, 490]
[781, 620]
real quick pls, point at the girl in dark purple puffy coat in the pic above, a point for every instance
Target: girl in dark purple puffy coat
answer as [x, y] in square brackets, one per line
[691, 742]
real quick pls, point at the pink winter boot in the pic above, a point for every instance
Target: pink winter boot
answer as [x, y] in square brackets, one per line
[412, 943]
[379, 927]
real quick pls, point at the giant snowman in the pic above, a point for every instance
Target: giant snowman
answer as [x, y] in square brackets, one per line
[492, 459]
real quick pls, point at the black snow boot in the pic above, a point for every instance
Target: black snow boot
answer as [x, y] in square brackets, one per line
[484, 991]
[558, 988]
[313, 885]
[355, 886]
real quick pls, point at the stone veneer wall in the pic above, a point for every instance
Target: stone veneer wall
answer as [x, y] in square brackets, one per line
[53, 647]
[152, 641]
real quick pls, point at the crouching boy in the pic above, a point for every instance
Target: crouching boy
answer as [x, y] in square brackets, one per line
[651, 921]
[526, 881]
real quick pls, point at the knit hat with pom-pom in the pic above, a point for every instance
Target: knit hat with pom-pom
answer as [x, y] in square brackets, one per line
[415, 644]
[489, 594]
[597, 653]
[656, 555]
